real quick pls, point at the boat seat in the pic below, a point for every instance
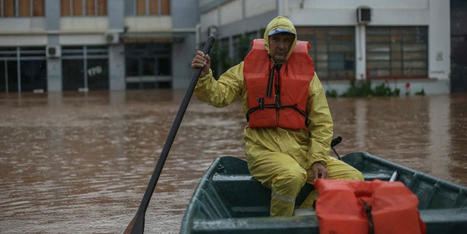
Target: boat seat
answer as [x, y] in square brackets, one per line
[243, 178]
[378, 175]
[221, 177]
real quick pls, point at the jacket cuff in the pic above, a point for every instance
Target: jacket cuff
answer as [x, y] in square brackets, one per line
[322, 161]
[209, 74]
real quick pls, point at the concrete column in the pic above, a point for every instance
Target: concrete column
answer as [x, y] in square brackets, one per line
[185, 16]
[182, 54]
[360, 52]
[439, 42]
[54, 65]
[116, 14]
[117, 67]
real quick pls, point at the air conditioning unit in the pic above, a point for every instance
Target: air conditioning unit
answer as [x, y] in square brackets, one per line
[53, 51]
[112, 38]
[363, 15]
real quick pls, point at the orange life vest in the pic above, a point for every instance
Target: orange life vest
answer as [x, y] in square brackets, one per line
[360, 207]
[277, 95]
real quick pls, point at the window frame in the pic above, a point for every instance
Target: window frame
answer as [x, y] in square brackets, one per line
[401, 48]
[17, 12]
[131, 8]
[84, 6]
[321, 56]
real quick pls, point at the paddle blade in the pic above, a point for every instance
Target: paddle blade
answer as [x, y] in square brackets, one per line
[136, 226]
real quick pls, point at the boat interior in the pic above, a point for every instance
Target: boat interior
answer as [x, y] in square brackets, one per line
[228, 198]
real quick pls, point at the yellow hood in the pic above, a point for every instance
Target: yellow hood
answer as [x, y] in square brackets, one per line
[280, 22]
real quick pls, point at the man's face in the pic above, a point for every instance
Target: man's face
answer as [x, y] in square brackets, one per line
[279, 46]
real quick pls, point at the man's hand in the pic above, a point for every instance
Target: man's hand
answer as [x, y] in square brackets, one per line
[319, 171]
[201, 60]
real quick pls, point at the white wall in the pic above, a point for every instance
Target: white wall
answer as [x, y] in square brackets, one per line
[22, 24]
[23, 40]
[235, 11]
[83, 30]
[23, 31]
[84, 24]
[82, 39]
[439, 40]
[231, 12]
[148, 23]
[208, 19]
[255, 7]
[343, 12]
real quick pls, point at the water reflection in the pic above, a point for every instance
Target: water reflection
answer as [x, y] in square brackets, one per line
[72, 162]
[424, 133]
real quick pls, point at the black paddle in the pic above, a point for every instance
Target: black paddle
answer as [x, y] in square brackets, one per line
[136, 225]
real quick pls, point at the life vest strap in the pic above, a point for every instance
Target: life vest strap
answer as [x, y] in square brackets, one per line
[367, 209]
[276, 106]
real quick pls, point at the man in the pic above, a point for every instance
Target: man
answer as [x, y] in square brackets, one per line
[287, 141]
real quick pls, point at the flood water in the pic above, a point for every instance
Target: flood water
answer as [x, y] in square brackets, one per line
[76, 162]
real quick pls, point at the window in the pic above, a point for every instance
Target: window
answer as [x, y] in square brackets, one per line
[147, 7]
[397, 52]
[23, 69]
[148, 66]
[241, 46]
[83, 7]
[332, 50]
[22, 8]
[85, 67]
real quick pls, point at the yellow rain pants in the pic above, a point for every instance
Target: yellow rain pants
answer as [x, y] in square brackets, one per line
[280, 158]
[285, 177]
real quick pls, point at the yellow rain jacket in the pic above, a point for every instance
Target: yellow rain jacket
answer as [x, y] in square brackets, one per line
[279, 158]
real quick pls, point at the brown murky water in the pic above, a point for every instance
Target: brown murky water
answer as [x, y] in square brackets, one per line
[75, 163]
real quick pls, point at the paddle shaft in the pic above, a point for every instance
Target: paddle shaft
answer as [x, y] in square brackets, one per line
[137, 224]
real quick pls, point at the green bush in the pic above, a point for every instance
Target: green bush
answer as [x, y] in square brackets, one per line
[420, 93]
[363, 89]
[242, 46]
[358, 89]
[220, 60]
[331, 93]
[383, 90]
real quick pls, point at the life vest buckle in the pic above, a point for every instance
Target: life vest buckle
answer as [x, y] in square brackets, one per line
[260, 102]
[277, 101]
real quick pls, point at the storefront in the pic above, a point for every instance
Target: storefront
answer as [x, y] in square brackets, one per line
[85, 68]
[23, 69]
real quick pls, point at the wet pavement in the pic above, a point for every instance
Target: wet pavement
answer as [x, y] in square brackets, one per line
[76, 162]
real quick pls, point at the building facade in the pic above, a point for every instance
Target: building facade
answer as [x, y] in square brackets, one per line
[59, 45]
[55, 45]
[404, 43]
